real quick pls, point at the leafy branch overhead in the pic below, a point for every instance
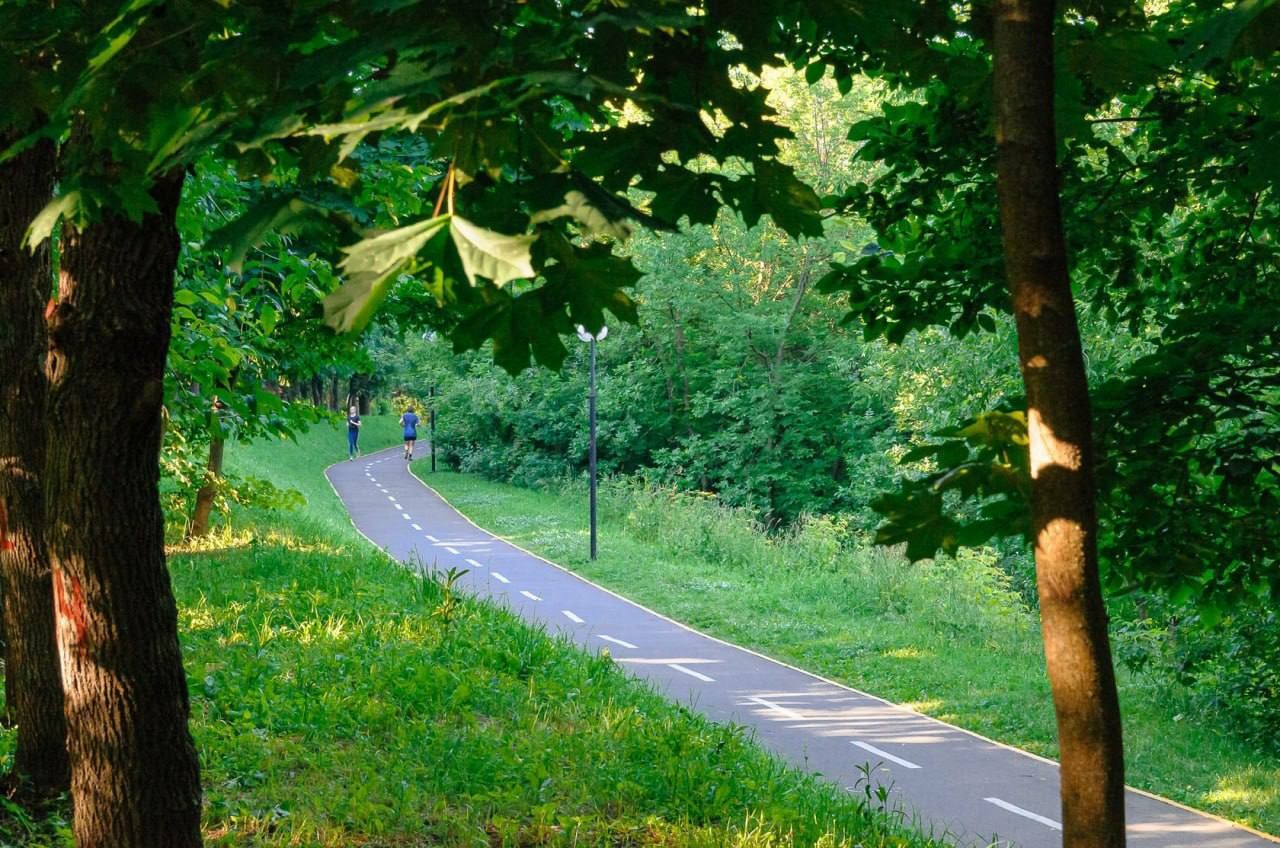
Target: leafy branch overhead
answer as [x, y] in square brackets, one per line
[549, 115]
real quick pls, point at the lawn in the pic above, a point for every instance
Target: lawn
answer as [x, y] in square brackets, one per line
[338, 700]
[949, 638]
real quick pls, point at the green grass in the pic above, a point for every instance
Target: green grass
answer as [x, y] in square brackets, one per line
[950, 638]
[338, 700]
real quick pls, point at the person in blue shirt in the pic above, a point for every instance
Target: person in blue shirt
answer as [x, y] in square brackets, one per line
[353, 433]
[409, 422]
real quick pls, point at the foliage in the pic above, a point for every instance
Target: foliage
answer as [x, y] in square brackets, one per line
[1169, 144]
[510, 114]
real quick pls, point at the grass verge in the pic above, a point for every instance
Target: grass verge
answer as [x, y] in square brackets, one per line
[947, 638]
[338, 700]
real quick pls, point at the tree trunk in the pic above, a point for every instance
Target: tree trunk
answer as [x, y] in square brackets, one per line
[134, 773]
[364, 404]
[33, 690]
[1073, 617]
[333, 393]
[208, 491]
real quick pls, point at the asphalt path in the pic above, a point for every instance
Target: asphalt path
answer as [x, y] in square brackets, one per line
[959, 785]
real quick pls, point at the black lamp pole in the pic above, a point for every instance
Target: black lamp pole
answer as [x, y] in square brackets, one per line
[591, 461]
[591, 418]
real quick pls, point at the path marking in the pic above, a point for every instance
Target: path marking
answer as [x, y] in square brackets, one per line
[432, 538]
[453, 551]
[1014, 808]
[691, 672]
[879, 752]
[464, 543]
[473, 562]
[530, 595]
[415, 527]
[623, 642]
[497, 575]
[391, 498]
[569, 614]
[785, 712]
[405, 516]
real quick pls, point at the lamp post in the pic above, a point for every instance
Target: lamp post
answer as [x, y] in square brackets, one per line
[591, 417]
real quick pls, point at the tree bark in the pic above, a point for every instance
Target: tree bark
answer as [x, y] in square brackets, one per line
[134, 773]
[1059, 423]
[208, 491]
[33, 690]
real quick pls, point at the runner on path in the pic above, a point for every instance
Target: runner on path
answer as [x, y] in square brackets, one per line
[353, 433]
[409, 422]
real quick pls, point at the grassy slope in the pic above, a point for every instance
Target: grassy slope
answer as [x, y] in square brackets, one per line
[948, 638]
[338, 689]
[338, 700]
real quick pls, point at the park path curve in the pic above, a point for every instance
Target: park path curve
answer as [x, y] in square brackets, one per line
[963, 786]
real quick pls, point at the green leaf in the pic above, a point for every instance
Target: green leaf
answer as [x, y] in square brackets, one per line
[495, 256]
[793, 205]
[594, 219]
[42, 226]
[372, 266]
[236, 239]
[269, 318]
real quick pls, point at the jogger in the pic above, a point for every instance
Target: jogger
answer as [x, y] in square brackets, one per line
[409, 422]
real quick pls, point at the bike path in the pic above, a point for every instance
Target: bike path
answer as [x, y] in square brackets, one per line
[965, 787]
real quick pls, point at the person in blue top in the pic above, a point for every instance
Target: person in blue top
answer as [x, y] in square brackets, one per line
[353, 433]
[409, 422]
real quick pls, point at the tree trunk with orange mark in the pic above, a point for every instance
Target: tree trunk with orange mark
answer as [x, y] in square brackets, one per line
[1073, 617]
[33, 690]
[134, 773]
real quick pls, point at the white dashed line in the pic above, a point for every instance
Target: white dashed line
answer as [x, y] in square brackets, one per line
[623, 642]
[530, 595]
[473, 562]
[453, 551]
[785, 712]
[405, 516]
[432, 538]
[569, 614]
[1015, 809]
[497, 575]
[890, 757]
[699, 675]
[415, 527]
[391, 498]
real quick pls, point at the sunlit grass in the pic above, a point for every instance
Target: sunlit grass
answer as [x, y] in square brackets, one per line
[949, 639]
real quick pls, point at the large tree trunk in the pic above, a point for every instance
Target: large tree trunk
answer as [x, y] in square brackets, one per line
[134, 773]
[33, 690]
[208, 491]
[1073, 618]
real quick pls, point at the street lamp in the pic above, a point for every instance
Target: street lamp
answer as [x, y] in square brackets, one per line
[591, 417]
